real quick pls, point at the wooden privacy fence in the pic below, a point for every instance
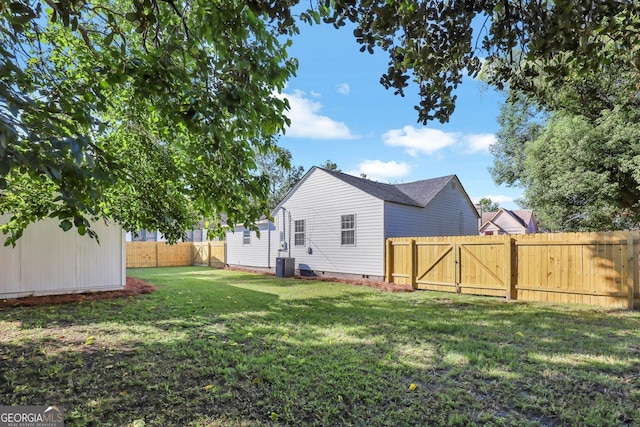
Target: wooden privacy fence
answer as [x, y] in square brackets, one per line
[161, 254]
[583, 268]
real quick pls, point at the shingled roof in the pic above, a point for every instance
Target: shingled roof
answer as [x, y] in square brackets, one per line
[417, 193]
[523, 216]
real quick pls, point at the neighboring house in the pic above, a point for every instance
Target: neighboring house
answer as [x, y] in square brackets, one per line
[336, 224]
[198, 234]
[47, 261]
[195, 235]
[505, 221]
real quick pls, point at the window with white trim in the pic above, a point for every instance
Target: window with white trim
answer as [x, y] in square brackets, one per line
[299, 232]
[246, 237]
[348, 230]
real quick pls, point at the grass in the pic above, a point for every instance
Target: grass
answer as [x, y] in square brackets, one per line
[228, 348]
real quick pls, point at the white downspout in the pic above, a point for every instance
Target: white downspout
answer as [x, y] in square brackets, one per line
[268, 243]
[284, 227]
[289, 244]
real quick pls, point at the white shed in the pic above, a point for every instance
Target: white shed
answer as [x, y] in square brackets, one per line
[48, 261]
[336, 224]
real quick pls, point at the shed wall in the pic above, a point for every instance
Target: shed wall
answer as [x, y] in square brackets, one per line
[47, 260]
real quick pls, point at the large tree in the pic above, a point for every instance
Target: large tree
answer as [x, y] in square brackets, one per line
[521, 122]
[146, 112]
[151, 111]
[583, 175]
[488, 205]
[283, 176]
[578, 158]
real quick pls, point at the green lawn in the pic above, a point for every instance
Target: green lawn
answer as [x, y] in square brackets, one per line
[228, 348]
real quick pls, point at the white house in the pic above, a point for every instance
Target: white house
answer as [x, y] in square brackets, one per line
[336, 224]
[47, 261]
[505, 221]
[195, 235]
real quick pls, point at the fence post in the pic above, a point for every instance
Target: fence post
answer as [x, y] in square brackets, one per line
[508, 260]
[457, 264]
[157, 256]
[388, 265]
[412, 263]
[631, 279]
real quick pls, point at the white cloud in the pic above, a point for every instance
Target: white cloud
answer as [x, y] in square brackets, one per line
[378, 170]
[477, 143]
[424, 140]
[343, 88]
[307, 123]
[500, 199]
[316, 94]
[429, 141]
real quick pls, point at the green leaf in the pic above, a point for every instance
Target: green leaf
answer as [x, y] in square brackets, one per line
[66, 225]
[108, 39]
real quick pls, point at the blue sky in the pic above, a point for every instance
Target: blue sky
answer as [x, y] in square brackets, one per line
[340, 112]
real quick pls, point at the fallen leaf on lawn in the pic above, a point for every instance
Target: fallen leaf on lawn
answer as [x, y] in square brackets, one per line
[20, 388]
[208, 387]
[90, 340]
[412, 386]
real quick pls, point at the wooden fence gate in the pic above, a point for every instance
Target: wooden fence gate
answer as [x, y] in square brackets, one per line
[585, 268]
[473, 266]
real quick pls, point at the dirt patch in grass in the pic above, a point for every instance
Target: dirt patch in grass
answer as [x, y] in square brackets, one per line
[133, 287]
[389, 287]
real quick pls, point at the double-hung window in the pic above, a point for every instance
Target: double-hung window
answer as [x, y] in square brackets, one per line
[246, 237]
[348, 230]
[299, 232]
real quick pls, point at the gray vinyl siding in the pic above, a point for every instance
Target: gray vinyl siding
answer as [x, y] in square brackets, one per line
[445, 210]
[404, 221]
[321, 201]
[255, 254]
[450, 213]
